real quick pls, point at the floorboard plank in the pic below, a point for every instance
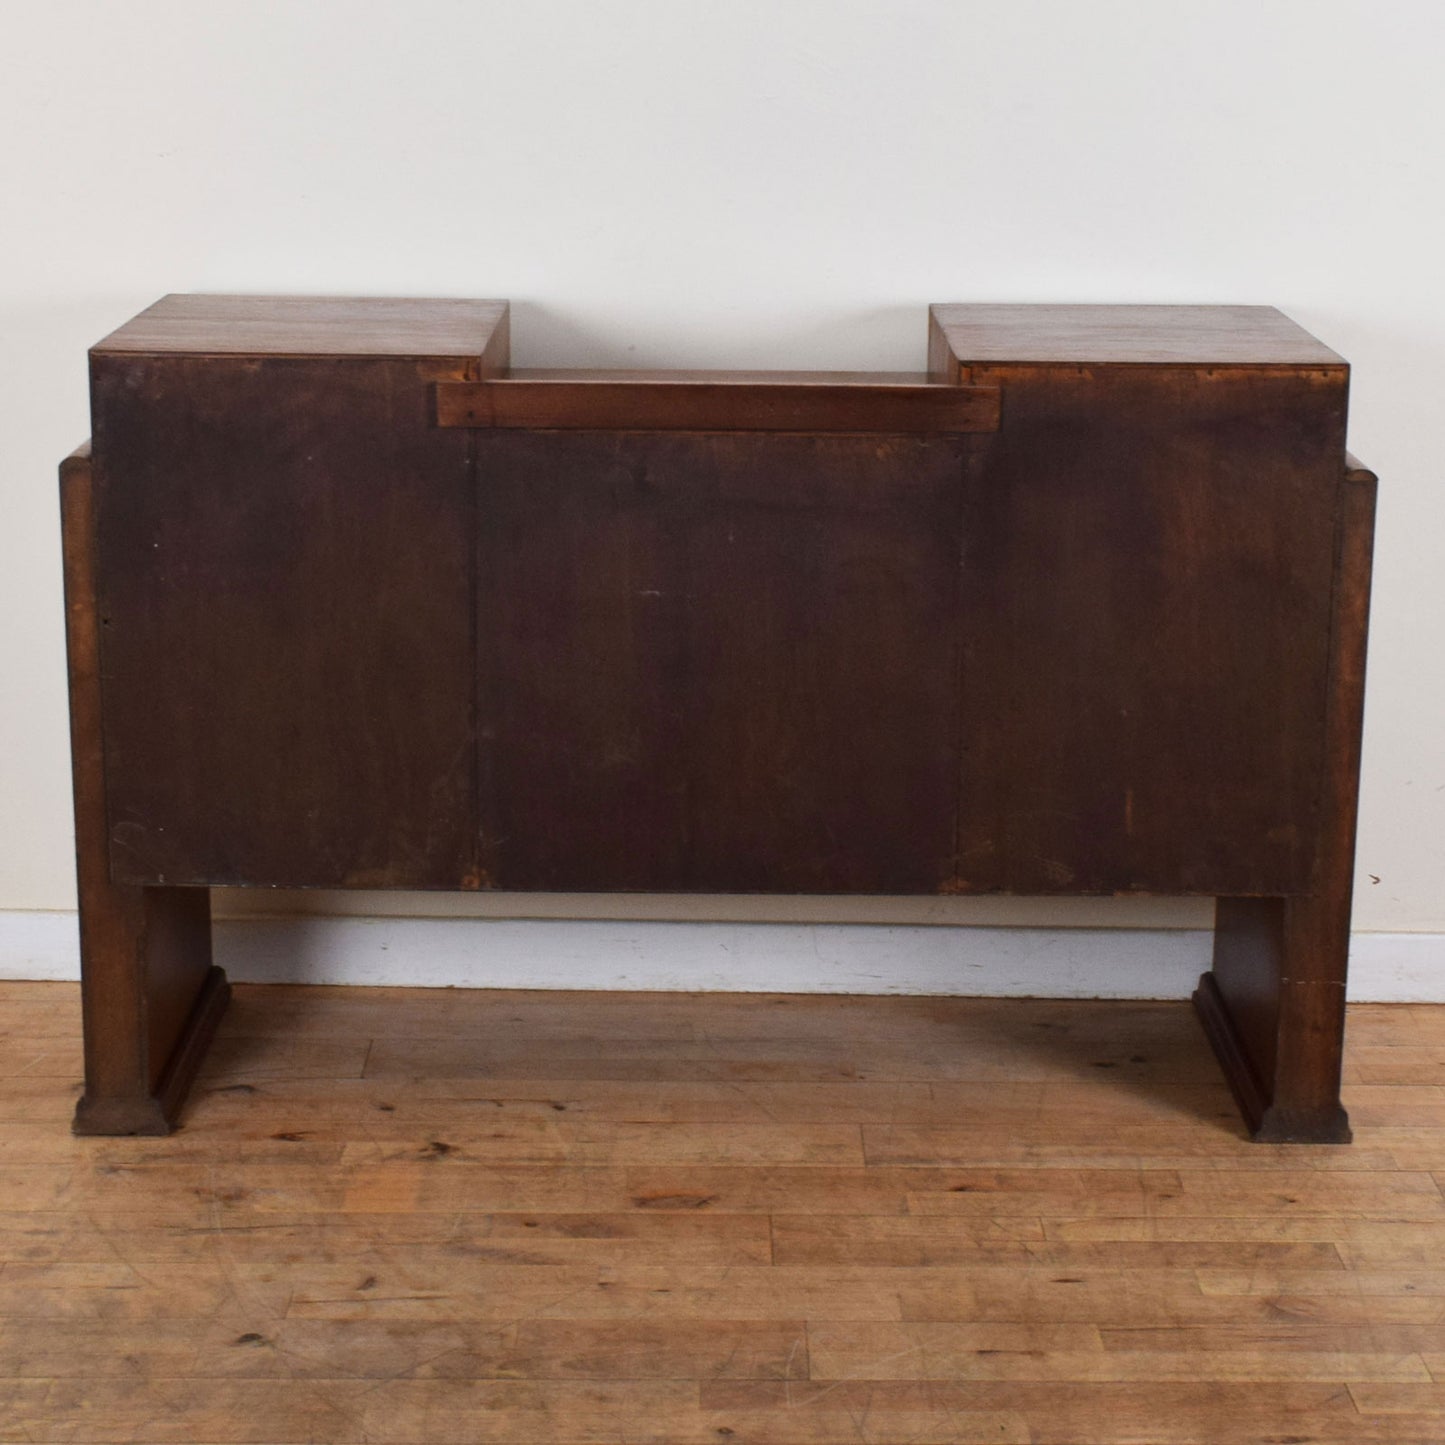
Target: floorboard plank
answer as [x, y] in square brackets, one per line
[423, 1216]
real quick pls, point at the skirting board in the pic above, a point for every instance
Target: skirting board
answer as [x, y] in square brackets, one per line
[729, 957]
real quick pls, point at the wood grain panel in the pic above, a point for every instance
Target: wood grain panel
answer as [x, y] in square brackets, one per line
[1129, 335]
[1147, 583]
[725, 663]
[428, 327]
[285, 575]
[152, 996]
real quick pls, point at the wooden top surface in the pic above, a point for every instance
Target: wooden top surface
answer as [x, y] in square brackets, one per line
[1130, 336]
[985, 333]
[308, 326]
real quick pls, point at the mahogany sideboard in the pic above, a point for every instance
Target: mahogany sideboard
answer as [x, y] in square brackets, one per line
[352, 603]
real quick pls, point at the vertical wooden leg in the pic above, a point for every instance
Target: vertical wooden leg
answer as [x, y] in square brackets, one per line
[150, 996]
[1274, 1003]
[150, 1002]
[1274, 1009]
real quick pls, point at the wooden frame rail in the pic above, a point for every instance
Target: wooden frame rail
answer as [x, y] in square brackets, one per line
[778, 402]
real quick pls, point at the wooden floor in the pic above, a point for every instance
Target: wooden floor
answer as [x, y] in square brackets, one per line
[415, 1216]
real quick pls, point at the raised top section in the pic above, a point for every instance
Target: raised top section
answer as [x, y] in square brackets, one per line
[322, 326]
[309, 326]
[1129, 336]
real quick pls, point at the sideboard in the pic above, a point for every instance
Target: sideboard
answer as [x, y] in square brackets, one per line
[353, 603]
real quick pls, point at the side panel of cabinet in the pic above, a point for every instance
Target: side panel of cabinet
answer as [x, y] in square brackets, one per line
[721, 662]
[1146, 615]
[285, 556]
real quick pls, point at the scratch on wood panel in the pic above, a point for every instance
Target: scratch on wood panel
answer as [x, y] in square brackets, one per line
[1056, 871]
[131, 837]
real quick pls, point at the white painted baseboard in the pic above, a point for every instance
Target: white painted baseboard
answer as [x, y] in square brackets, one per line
[741, 957]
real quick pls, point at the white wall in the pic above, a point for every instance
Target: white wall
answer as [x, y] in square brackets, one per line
[737, 183]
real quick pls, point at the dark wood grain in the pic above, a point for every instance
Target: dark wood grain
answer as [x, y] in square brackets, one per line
[151, 997]
[779, 405]
[1147, 578]
[720, 662]
[285, 572]
[1277, 986]
[286, 577]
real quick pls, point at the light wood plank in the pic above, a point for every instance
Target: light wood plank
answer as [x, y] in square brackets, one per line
[910, 1241]
[957, 1351]
[1161, 1412]
[424, 1216]
[1157, 1299]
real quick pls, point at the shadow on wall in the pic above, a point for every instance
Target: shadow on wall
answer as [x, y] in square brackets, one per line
[735, 957]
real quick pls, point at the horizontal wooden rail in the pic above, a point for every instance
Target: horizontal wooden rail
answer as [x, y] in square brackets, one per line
[721, 404]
